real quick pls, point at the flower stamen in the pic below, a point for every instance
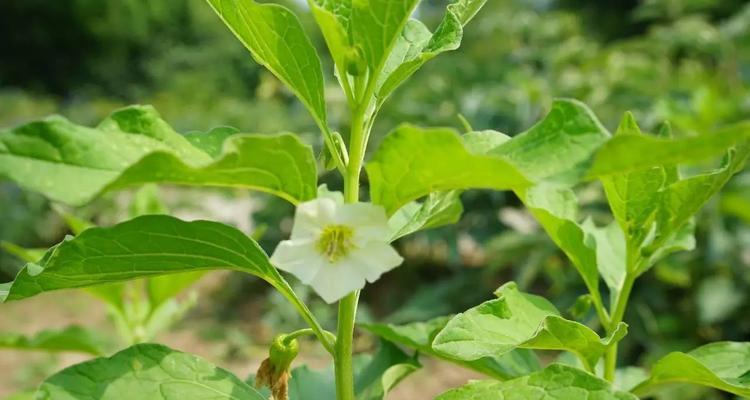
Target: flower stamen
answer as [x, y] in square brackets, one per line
[335, 242]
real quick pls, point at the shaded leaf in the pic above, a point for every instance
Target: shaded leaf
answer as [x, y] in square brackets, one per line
[436, 210]
[152, 372]
[556, 209]
[70, 339]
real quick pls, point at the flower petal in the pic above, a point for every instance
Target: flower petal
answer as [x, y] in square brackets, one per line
[335, 281]
[312, 216]
[299, 258]
[374, 259]
[369, 221]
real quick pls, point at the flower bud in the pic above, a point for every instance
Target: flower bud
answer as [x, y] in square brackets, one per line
[274, 370]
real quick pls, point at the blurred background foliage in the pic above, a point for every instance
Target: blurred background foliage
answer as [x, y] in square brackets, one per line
[682, 61]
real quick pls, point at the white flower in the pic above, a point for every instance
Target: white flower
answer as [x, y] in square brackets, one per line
[335, 247]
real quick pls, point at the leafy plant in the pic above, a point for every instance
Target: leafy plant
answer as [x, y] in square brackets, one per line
[339, 243]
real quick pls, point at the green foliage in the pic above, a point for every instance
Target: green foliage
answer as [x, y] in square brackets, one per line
[649, 182]
[70, 339]
[135, 146]
[420, 335]
[157, 245]
[153, 371]
[519, 320]
[722, 365]
[556, 382]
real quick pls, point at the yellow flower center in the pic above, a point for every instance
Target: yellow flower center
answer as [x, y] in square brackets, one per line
[335, 242]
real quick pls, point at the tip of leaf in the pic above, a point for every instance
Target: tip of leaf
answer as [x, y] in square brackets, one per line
[665, 130]
[628, 125]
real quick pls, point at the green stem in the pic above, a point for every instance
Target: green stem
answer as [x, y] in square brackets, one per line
[618, 313]
[344, 346]
[348, 305]
[323, 336]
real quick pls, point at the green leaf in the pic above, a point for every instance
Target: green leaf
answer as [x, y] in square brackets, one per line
[276, 39]
[627, 153]
[148, 371]
[377, 375]
[417, 45]
[519, 320]
[609, 245]
[556, 382]
[147, 246]
[722, 365]
[419, 336]
[162, 288]
[654, 206]
[73, 164]
[376, 26]
[436, 210]
[333, 17]
[70, 339]
[556, 209]
[558, 148]
[413, 162]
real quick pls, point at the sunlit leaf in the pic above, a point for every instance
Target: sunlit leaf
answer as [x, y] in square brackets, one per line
[519, 320]
[556, 382]
[147, 246]
[73, 164]
[413, 162]
[147, 371]
[722, 365]
[276, 39]
[419, 336]
[417, 45]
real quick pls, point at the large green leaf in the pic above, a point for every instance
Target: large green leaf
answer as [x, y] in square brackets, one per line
[559, 147]
[419, 336]
[72, 164]
[70, 339]
[147, 372]
[556, 382]
[147, 246]
[721, 365]
[276, 39]
[519, 320]
[417, 45]
[413, 162]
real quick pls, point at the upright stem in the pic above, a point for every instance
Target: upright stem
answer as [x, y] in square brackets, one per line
[618, 313]
[348, 305]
